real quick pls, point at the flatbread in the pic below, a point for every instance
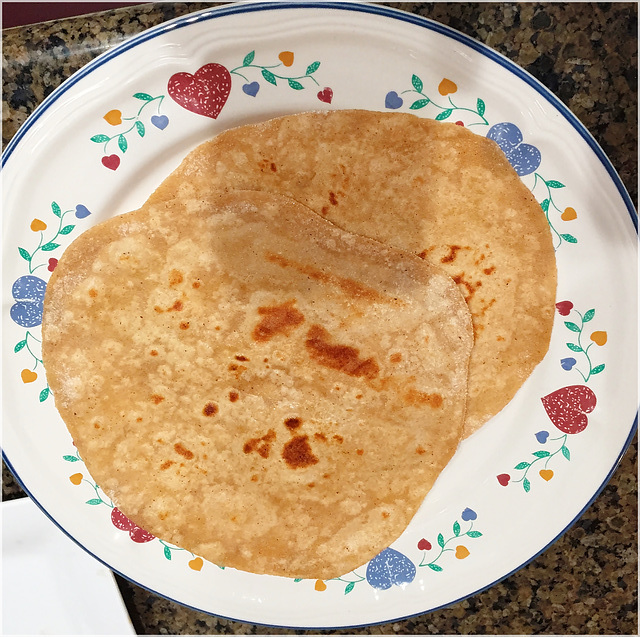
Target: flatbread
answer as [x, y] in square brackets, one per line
[251, 383]
[433, 188]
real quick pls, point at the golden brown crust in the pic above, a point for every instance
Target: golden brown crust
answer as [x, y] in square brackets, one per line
[433, 188]
[247, 381]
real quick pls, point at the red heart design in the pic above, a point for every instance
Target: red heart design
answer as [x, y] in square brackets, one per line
[325, 95]
[564, 307]
[120, 520]
[205, 92]
[424, 545]
[111, 161]
[503, 479]
[140, 535]
[568, 407]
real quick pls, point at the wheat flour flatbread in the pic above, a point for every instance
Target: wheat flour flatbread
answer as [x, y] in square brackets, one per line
[433, 188]
[249, 382]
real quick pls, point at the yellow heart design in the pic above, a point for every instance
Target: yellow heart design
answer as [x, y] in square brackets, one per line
[569, 214]
[320, 585]
[286, 57]
[546, 474]
[196, 563]
[462, 552]
[37, 225]
[113, 117]
[447, 86]
[76, 478]
[28, 376]
[599, 338]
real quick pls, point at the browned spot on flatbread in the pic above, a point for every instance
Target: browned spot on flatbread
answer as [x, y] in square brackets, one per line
[420, 451]
[233, 396]
[156, 398]
[338, 438]
[241, 358]
[165, 465]
[210, 409]
[260, 445]
[273, 167]
[93, 293]
[332, 198]
[320, 436]
[176, 307]
[277, 319]
[344, 358]
[469, 286]
[297, 453]
[348, 286]
[184, 325]
[175, 277]
[292, 423]
[195, 285]
[183, 451]
[453, 253]
[395, 358]
[416, 397]
[490, 270]
[153, 352]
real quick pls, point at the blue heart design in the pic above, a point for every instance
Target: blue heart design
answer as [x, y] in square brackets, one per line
[393, 100]
[160, 121]
[524, 158]
[542, 436]
[568, 363]
[28, 291]
[251, 89]
[469, 514]
[82, 211]
[390, 568]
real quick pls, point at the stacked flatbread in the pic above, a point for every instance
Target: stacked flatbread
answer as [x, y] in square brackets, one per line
[432, 188]
[277, 391]
[250, 382]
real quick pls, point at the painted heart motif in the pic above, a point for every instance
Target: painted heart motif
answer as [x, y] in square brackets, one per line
[390, 568]
[325, 95]
[542, 436]
[160, 121]
[524, 158]
[204, 93]
[461, 552]
[568, 407]
[28, 292]
[546, 474]
[82, 211]
[568, 363]
[196, 563]
[447, 86]
[111, 161]
[122, 522]
[469, 514]
[569, 214]
[251, 89]
[503, 479]
[564, 307]
[37, 225]
[393, 100]
[52, 264]
[424, 545]
[28, 376]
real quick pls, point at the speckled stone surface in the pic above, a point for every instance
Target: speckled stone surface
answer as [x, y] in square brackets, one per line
[585, 583]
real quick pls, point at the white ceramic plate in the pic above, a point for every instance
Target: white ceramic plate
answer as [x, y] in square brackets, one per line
[102, 142]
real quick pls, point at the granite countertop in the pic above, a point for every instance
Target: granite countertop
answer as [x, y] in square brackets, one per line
[585, 583]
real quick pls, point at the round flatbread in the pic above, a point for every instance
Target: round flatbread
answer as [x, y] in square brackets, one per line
[249, 382]
[433, 188]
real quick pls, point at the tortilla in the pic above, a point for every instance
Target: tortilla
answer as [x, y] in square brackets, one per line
[432, 188]
[251, 383]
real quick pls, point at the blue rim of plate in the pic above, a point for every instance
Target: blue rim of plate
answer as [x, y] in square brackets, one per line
[520, 73]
